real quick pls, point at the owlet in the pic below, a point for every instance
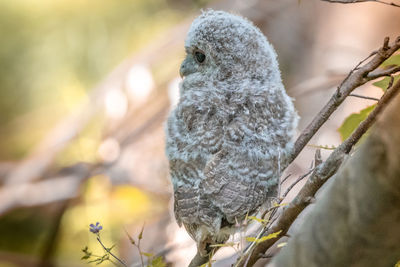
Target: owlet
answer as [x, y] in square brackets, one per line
[231, 130]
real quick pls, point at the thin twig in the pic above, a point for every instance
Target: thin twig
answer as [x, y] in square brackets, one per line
[274, 209]
[317, 157]
[270, 209]
[266, 256]
[284, 179]
[296, 182]
[364, 97]
[390, 82]
[138, 245]
[109, 251]
[361, 1]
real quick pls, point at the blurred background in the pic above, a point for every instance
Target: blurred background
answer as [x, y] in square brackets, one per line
[85, 88]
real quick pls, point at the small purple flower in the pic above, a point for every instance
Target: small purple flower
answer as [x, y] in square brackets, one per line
[95, 229]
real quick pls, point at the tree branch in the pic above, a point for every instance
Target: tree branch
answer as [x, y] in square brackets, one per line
[355, 223]
[361, 1]
[325, 170]
[356, 78]
[381, 73]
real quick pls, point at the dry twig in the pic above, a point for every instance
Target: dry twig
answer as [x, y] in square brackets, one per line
[364, 97]
[296, 182]
[361, 1]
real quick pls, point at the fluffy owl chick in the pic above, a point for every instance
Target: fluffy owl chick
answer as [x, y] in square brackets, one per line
[231, 130]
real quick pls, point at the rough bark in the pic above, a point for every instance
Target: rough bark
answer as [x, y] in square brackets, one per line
[357, 220]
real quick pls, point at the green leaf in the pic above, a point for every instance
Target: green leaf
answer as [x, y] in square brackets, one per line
[158, 262]
[130, 238]
[352, 122]
[97, 261]
[148, 255]
[384, 83]
[252, 239]
[207, 264]
[264, 238]
[254, 218]
[141, 233]
[280, 204]
[85, 257]
[332, 147]
[228, 244]
[393, 60]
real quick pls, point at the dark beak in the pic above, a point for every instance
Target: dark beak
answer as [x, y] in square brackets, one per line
[187, 67]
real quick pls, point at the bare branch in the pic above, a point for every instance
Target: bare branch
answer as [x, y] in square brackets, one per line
[296, 182]
[320, 175]
[39, 193]
[356, 78]
[364, 97]
[284, 179]
[362, 202]
[381, 73]
[42, 157]
[317, 157]
[361, 1]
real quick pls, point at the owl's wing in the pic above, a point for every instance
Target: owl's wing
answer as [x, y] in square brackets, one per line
[237, 185]
[190, 207]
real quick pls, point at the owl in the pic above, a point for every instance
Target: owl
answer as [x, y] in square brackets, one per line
[231, 130]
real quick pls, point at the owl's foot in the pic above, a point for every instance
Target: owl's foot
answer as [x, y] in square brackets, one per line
[199, 260]
[204, 248]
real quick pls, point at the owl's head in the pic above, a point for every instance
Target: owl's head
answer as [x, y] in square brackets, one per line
[224, 46]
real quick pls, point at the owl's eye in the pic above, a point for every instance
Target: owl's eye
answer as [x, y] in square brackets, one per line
[199, 56]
